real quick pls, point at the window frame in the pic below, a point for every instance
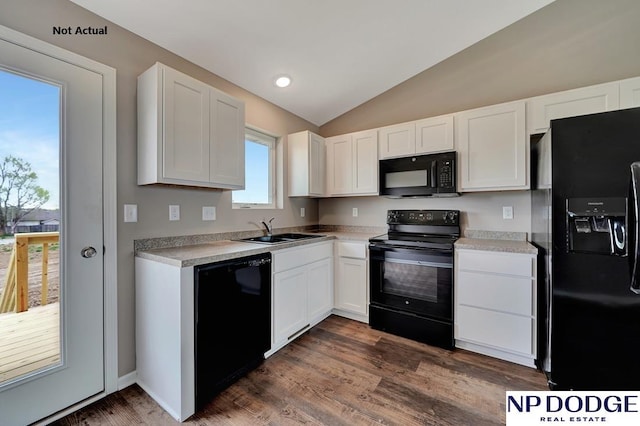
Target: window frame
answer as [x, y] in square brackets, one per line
[270, 141]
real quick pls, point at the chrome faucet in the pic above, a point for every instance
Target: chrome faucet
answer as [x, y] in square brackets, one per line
[268, 226]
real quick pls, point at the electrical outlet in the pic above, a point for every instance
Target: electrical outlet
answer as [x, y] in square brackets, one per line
[174, 213]
[208, 213]
[354, 212]
[130, 212]
[507, 212]
[302, 212]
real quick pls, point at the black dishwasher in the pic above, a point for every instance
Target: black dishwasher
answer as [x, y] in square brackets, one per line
[232, 321]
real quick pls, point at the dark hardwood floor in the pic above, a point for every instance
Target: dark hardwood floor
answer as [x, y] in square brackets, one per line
[342, 372]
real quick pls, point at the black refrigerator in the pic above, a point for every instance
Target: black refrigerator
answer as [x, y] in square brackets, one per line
[584, 222]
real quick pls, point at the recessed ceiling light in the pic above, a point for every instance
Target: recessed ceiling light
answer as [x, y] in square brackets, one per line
[283, 81]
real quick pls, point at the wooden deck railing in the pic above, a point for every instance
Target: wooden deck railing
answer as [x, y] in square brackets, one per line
[15, 296]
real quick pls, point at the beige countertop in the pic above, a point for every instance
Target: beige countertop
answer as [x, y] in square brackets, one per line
[508, 246]
[217, 251]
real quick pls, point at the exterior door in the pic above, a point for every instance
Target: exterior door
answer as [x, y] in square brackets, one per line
[79, 372]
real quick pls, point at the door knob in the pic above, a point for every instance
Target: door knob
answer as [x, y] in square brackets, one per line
[88, 252]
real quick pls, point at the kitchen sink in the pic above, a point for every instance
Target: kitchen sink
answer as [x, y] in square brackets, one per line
[280, 238]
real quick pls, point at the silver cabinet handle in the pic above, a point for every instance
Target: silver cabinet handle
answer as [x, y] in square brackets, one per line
[88, 252]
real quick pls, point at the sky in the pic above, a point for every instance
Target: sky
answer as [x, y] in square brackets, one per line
[30, 128]
[256, 175]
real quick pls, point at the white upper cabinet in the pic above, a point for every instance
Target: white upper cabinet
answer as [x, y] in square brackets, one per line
[227, 140]
[188, 132]
[426, 136]
[492, 148]
[352, 164]
[571, 103]
[306, 164]
[398, 140]
[434, 134]
[630, 93]
[365, 162]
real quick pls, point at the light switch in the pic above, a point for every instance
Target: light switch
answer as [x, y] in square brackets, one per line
[174, 213]
[302, 212]
[507, 212]
[130, 212]
[354, 212]
[208, 213]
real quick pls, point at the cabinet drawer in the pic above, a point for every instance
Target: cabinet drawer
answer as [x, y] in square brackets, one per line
[355, 250]
[503, 331]
[283, 260]
[496, 262]
[497, 292]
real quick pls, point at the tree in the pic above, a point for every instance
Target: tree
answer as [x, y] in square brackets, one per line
[19, 192]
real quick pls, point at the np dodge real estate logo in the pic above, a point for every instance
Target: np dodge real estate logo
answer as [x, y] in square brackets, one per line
[544, 408]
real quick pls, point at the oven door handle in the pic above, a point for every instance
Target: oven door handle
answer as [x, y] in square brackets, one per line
[421, 263]
[379, 247]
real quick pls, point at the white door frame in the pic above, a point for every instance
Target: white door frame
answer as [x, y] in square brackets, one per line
[109, 200]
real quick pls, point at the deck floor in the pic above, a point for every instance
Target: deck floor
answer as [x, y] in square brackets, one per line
[29, 340]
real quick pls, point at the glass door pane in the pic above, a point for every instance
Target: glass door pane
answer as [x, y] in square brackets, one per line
[29, 226]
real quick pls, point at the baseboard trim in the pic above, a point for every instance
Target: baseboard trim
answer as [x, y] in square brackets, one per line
[527, 361]
[351, 315]
[127, 380]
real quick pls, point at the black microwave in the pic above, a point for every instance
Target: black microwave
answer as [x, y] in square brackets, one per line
[419, 176]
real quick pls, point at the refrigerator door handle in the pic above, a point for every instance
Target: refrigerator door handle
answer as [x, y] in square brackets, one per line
[620, 243]
[635, 208]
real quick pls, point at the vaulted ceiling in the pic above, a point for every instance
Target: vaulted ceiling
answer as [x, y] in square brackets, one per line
[338, 53]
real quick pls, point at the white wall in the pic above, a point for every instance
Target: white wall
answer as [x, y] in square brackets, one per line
[480, 211]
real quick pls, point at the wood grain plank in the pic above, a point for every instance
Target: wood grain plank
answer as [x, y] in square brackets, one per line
[341, 372]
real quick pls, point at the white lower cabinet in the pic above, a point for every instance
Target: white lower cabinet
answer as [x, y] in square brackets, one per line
[352, 281]
[289, 303]
[302, 291]
[165, 336]
[495, 304]
[320, 290]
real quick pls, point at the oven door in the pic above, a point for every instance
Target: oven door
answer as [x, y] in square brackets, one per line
[413, 280]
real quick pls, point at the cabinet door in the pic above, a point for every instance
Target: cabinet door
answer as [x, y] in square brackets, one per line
[630, 93]
[365, 162]
[434, 134]
[497, 329]
[185, 147]
[492, 148]
[339, 165]
[351, 285]
[289, 303]
[570, 103]
[397, 141]
[320, 290]
[227, 141]
[317, 161]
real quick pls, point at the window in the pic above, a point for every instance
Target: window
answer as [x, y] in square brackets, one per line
[259, 170]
